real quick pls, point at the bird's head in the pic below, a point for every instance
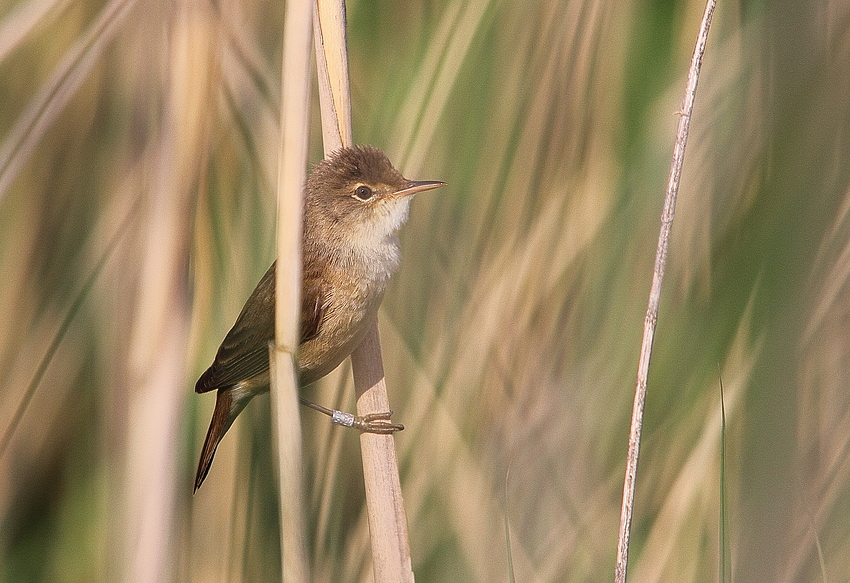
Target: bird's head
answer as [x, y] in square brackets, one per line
[356, 194]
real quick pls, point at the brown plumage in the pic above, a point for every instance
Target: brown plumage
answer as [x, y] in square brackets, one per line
[353, 204]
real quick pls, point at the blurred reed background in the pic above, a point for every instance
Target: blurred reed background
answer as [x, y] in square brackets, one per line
[145, 132]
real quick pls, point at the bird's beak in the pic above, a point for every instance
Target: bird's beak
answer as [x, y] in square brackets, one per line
[414, 186]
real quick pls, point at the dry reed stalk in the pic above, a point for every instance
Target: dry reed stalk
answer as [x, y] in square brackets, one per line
[384, 503]
[391, 562]
[292, 159]
[154, 379]
[667, 215]
[332, 70]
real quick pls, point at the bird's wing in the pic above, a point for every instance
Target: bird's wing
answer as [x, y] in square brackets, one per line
[314, 304]
[244, 353]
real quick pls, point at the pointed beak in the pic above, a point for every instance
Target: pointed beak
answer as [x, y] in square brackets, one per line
[414, 186]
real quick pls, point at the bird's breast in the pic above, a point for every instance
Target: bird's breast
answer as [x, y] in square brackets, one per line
[354, 288]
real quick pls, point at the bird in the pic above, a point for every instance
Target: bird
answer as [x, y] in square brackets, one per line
[354, 203]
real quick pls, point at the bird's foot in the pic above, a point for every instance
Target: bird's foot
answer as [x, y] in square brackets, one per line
[372, 423]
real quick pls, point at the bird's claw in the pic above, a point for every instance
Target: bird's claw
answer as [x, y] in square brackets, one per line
[377, 423]
[372, 423]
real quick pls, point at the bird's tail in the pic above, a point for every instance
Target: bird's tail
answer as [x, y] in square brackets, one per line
[226, 410]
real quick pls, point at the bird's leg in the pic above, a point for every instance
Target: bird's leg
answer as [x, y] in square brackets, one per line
[371, 423]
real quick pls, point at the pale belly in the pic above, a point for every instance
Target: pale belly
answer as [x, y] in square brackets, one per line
[351, 311]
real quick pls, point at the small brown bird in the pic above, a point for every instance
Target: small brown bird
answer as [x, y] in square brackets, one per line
[354, 202]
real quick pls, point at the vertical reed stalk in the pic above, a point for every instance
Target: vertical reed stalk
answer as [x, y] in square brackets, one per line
[292, 160]
[391, 561]
[651, 319]
[159, 333]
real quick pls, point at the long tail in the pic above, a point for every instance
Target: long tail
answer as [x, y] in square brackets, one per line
[222, 418]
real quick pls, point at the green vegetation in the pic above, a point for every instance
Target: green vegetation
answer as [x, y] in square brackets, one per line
[510, 335]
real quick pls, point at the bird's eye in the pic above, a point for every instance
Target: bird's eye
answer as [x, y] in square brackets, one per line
[363, 192]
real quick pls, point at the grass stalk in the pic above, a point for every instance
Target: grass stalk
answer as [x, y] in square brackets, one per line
[292, 160]
[651, 319]
[389, 539]
[725, 564]
[332, 69]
